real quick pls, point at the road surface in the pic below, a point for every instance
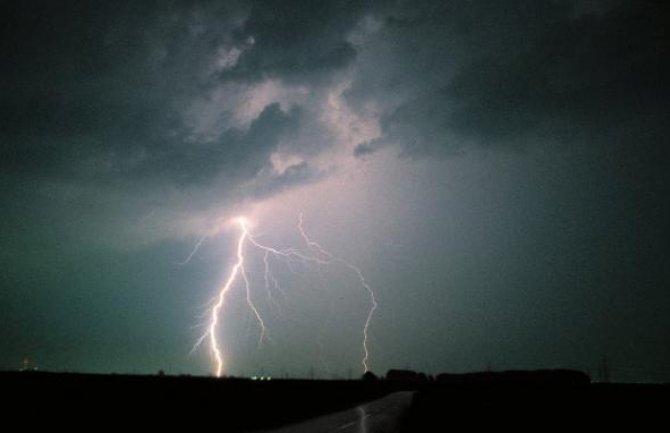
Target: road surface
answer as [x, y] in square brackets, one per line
[379, 416]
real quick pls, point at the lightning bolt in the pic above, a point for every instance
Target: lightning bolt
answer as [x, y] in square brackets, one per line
[193, 251]
[289, 256]
[371, 294]
[238, 269]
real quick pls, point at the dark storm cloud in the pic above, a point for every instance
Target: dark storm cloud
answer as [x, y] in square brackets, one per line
[83, 80]
[501, 72]
[588, 73]
[241, 154]
[363, 149]
[100, 104]
[298, 41]
[294, 175]
[99, 91]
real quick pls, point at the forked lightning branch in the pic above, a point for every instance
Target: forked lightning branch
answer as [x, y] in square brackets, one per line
[313, 253]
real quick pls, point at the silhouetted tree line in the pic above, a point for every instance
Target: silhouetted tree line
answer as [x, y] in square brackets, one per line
[516, 377]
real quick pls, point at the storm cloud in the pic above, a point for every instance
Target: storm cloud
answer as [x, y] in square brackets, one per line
[84, 83]
[504, 74]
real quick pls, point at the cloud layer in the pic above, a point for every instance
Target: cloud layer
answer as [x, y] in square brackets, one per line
[187, 93]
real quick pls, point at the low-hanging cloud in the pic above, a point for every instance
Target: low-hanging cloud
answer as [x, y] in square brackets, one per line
[497, 74]
[131, 100]
[145, 100]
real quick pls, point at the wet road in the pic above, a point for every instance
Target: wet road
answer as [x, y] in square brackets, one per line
[379, 416]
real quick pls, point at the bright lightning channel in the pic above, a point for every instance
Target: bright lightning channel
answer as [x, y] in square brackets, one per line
[289, 255]
[238, 269]
[194, 251]
[364, 284]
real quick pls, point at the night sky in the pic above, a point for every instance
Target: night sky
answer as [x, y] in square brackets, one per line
[499, 171]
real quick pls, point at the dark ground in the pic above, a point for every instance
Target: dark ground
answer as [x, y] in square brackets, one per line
[231, 405]
[235, 405]
[541, 408]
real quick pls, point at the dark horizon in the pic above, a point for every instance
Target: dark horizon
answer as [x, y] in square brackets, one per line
[403, 403]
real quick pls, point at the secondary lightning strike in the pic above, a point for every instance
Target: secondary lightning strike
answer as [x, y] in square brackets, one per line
[193, 251]
[268, 277]
[373, 301]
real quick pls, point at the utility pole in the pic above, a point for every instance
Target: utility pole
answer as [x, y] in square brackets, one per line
[604, 371]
